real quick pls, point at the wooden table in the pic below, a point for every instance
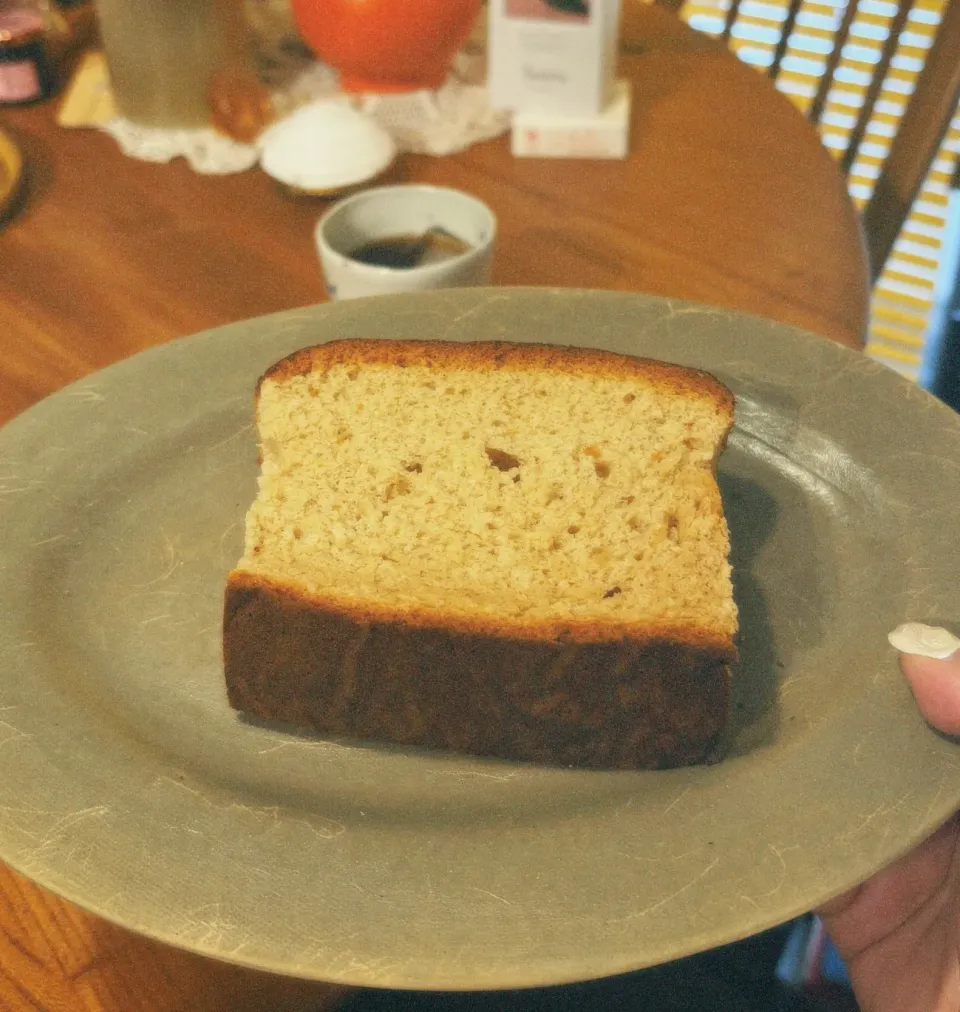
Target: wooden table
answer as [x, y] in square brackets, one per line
[727, 198]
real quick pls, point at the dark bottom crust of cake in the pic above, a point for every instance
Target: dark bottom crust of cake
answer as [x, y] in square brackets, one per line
[610, 706]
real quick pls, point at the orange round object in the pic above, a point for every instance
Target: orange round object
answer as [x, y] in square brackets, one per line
[386, 45]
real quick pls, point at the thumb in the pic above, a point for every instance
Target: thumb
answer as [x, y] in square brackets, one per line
[930, 658]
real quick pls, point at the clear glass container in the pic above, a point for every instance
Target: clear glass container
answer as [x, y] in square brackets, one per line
[183, 64]
[162, 55]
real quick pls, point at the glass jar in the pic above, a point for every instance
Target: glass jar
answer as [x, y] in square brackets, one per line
[25, 73]
[162, 55]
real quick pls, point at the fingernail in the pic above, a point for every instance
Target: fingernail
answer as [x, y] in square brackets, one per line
[924, 640]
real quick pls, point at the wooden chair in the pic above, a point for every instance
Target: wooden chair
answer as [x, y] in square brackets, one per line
[921, 129]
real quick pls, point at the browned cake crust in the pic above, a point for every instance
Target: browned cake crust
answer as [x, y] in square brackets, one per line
[491, 355]
[626, 704]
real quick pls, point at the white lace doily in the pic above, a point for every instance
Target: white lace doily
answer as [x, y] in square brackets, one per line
[440, 122]
[206, 150]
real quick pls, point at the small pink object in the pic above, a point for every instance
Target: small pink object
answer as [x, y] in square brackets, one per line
[24, 71]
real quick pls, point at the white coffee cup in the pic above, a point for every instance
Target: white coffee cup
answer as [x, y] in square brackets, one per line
[404, 210]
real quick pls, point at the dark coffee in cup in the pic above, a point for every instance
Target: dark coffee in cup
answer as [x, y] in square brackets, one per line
[406, 251]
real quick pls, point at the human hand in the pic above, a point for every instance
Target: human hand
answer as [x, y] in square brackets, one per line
[899, 932]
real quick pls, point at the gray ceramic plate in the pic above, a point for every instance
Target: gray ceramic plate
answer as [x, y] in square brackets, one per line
[128, 785]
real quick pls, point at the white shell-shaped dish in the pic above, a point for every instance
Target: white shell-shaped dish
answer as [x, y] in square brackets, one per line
[326, 147]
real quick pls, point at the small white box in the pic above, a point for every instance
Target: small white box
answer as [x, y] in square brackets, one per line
[552, 56]
[603, 136]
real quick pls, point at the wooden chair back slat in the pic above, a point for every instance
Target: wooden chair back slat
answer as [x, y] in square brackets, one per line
[897, 24]
[912, 151]
[815, 112]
